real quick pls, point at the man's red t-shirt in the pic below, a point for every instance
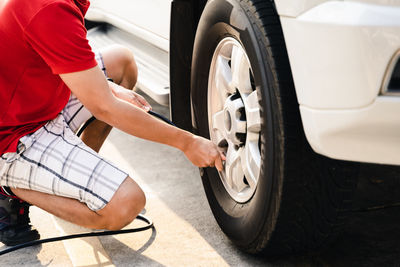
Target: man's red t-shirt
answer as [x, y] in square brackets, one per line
[39, 39]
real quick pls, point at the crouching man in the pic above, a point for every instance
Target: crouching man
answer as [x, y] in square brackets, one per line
[50, 84]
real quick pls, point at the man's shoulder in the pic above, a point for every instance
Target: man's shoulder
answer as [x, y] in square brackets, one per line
[49, 4]
[40, 4]
[26, 10]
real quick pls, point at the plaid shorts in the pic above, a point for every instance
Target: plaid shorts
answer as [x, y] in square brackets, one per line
[54, 160]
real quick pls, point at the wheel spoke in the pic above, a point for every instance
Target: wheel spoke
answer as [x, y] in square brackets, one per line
[251, 161]
[240, 71]
[218, 127]
[236, 105]
[233, 168]
[223, 78]
[253, 113]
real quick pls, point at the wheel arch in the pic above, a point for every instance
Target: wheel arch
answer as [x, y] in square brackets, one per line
[185, 15]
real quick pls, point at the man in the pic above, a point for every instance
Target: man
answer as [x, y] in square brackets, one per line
[51, 83]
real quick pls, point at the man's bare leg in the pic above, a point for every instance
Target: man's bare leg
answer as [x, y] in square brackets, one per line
[121, 67]
[123, 207]
[95, 134]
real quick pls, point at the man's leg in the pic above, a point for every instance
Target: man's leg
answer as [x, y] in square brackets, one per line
[124, 206]
[120, 66]
[58, 173]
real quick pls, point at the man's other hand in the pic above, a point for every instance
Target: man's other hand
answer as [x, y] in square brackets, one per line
[129, 96]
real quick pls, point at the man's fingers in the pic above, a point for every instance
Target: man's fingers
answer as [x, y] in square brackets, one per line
[142, 106]
[144, 102]
[218, 161]
[218, 164]
[136, 101]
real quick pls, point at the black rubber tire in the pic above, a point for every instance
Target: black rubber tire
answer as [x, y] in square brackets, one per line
[301, 197]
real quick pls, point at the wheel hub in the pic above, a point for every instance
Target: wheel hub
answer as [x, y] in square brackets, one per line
[235, 127]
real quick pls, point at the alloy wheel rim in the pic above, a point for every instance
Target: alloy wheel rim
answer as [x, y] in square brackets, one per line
[234, 118]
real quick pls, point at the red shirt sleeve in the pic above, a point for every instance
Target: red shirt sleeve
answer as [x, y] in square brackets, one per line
[58, 35]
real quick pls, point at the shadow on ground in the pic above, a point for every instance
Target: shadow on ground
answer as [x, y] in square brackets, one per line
[371, 236]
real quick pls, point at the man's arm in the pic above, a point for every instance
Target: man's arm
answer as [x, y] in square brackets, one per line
[92, 89]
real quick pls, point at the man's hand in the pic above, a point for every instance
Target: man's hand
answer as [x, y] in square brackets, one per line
[129, 96]
[203, 153]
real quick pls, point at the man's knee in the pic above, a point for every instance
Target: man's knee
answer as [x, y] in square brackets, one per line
[126, 213]
[130, 74]
[121, 65]
[125, 57]
[123, 208]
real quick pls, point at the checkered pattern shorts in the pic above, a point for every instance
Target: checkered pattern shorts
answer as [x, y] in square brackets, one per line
[54, 160]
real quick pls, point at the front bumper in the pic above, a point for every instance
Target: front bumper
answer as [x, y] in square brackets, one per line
[339, 54]
[369, 134]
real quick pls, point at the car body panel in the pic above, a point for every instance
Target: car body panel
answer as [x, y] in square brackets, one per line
[289, 8]
[368, 134]
[148, 19]
[340, 52]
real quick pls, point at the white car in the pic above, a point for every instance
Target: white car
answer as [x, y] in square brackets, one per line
[294, 92]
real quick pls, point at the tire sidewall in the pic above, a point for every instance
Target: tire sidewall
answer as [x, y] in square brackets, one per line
[242, 222]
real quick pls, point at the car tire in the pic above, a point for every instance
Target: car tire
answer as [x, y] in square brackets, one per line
[299, 199]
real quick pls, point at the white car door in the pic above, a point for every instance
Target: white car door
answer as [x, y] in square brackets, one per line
[149, 19]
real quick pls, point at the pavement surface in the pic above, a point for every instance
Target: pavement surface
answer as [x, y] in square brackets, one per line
[186, 233]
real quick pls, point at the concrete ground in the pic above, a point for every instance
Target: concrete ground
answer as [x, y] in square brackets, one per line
[186, 233]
